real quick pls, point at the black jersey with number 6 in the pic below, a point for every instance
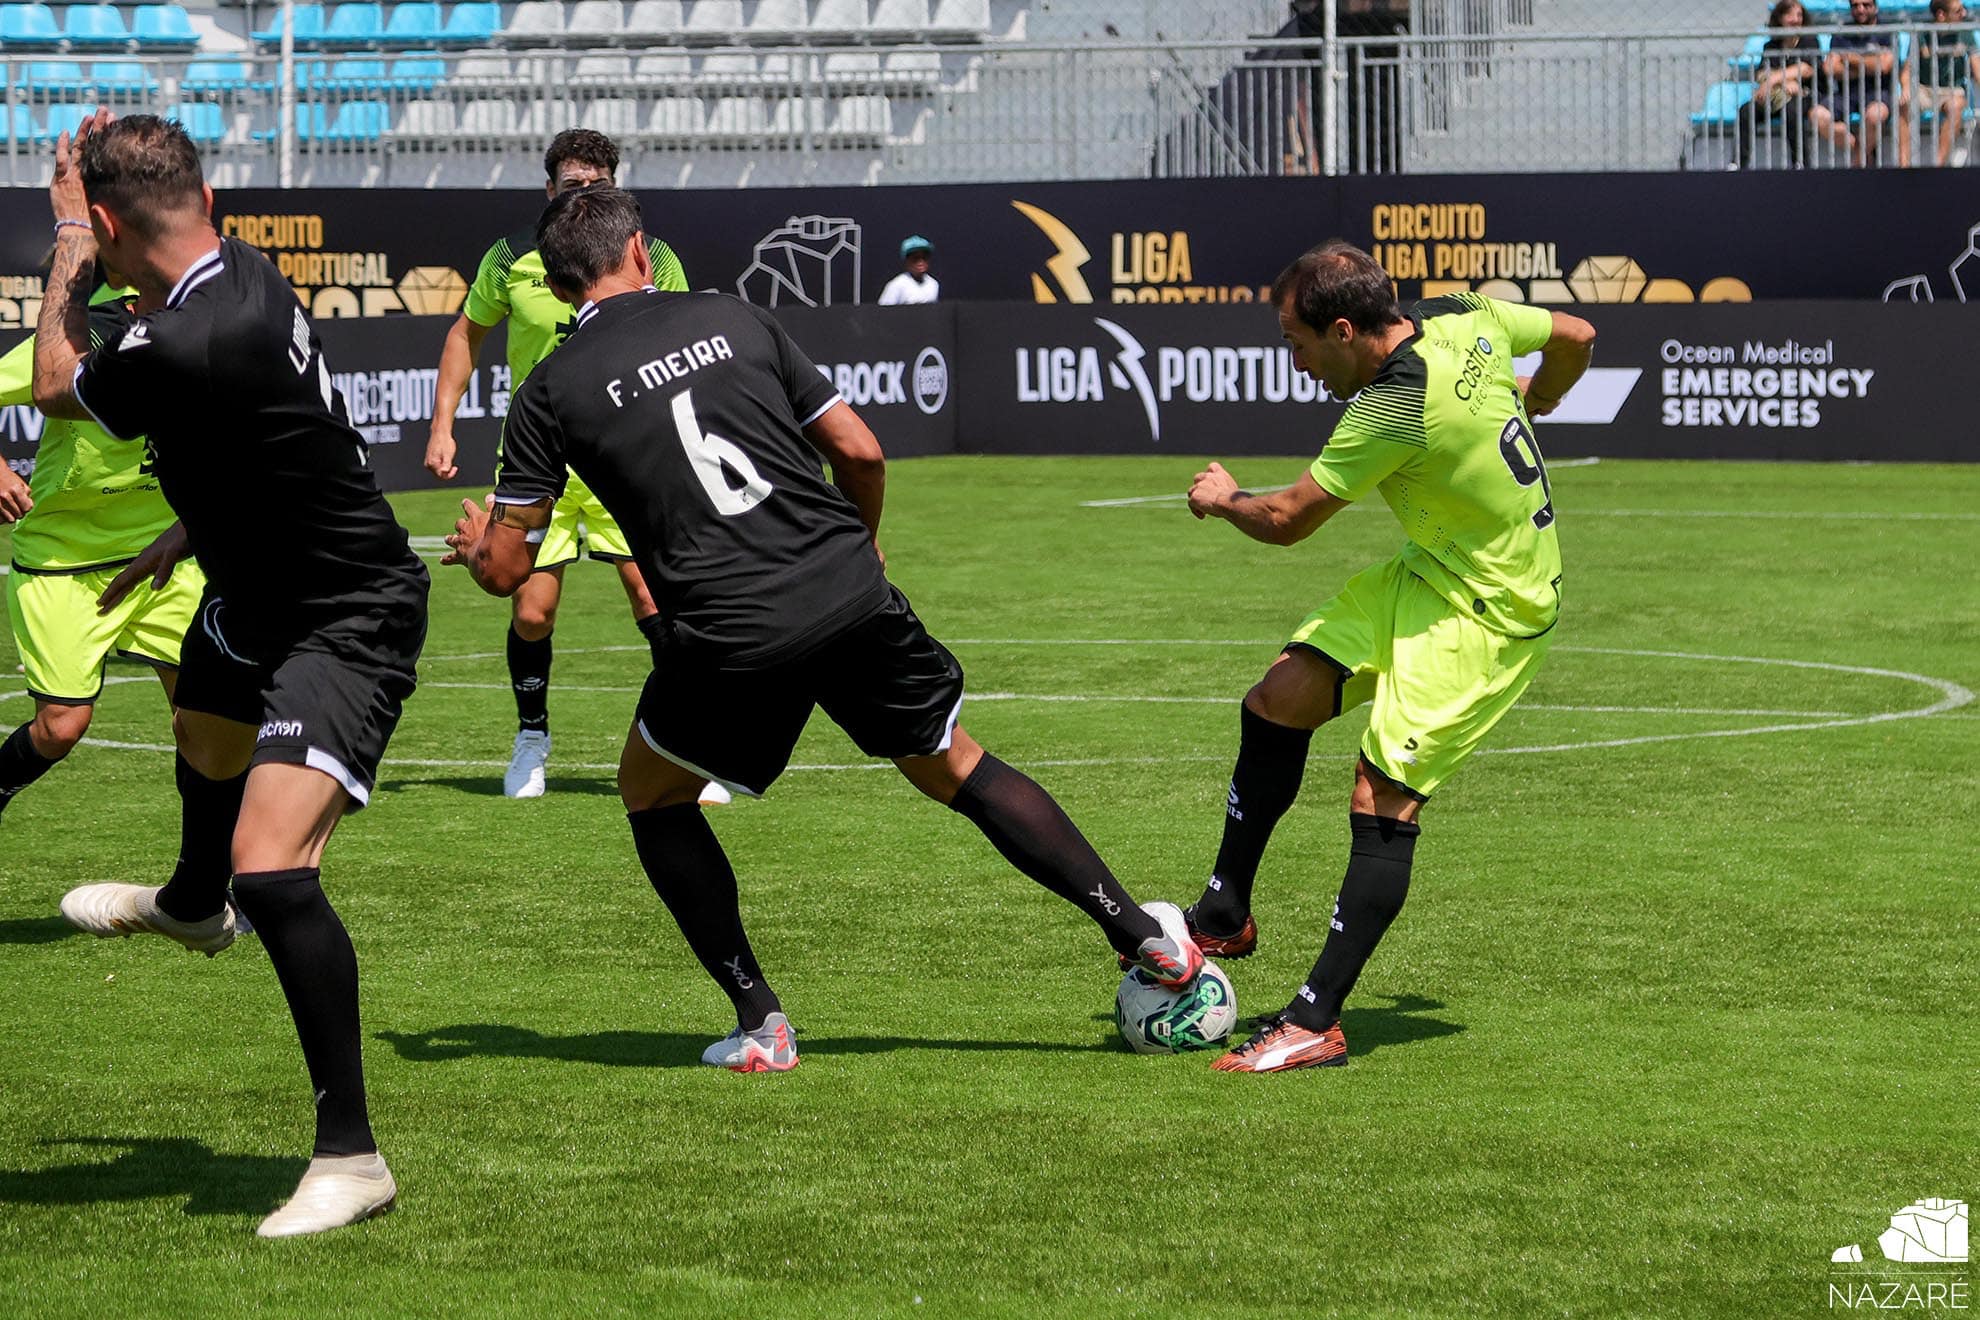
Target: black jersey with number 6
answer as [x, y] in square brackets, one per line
[684, 413]
[254, 449]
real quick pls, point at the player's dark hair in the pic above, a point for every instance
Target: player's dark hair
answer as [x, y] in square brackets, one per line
[582, 235]
[143, 169]
[1337, 281]
[583, 145]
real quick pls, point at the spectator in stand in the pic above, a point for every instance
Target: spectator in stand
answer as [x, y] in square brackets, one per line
[914, 284]
[1857, 75]
[1947, 62]
[1781, 80]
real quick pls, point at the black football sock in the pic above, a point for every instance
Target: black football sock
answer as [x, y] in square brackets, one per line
[207, 811]
[1371, 895]
[20, 764]
[688, 869]
[654, 629]
[1271, 762]
[1038, 838]
[318, 969]
[529, 675]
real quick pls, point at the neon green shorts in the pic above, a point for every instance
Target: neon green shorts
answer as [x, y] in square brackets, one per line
[64, 642]
[1439, 680]
[579, 522]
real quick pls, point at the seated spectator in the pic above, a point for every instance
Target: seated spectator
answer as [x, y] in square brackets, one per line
[1856, 80]
[1781, 82]
[1947, 63]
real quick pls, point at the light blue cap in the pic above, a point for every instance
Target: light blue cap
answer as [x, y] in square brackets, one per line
[915, 243]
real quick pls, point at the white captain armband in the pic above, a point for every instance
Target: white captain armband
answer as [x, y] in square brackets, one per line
[531, 518]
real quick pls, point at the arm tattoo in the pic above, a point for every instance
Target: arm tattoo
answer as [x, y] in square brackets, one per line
[61, 335]
[523, 517]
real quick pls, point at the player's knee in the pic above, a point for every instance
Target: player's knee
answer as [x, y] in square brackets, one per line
[57, 729]
[534, 620]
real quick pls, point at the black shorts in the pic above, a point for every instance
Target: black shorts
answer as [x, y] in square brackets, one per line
[885, 681]
[328, 699]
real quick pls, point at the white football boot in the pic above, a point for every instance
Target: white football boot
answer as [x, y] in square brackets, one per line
[714, 795]
[335, 1190]
[108, 910]
[524, 777]
[772, 1047]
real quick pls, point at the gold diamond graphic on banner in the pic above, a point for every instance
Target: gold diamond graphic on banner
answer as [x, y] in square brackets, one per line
[1607, 280]
[433, 290]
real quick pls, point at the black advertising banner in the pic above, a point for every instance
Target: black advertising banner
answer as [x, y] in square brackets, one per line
[895, 365]
[1133, 380]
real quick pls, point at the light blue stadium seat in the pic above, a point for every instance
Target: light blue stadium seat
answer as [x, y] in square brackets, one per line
[416, 23]
[56, 76]
[205, 122]
[312, 121]
[1722, 105]
[417, 73]
[472, 23]
[20, 123]
[215, 76]
[1748, 58]
[94, 25]
[309, 27]
[122, 77]
[29, 25]
[62, 119]
[361, 24]
[356, 76]
[359, 121]
[166, 27]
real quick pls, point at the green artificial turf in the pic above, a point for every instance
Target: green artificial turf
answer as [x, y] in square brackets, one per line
[1663, 1024]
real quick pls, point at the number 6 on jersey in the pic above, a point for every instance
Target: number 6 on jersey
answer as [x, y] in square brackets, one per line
[710, 454]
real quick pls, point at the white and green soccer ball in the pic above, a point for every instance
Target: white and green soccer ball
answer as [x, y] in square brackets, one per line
[1155, 1019]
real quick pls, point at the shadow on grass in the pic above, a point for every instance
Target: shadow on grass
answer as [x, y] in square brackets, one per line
[147, 1167]
[490, 784]
[657, 1049]
[35, 930]
[1400, 1023]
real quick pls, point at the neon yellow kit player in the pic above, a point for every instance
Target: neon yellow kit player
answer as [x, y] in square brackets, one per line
[1441, 640]
[510, 285]
[90, 511]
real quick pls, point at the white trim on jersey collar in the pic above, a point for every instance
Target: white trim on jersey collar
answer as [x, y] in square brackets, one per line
[196, 274]
[590, 309]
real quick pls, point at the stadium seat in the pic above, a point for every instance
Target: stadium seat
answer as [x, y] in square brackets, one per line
[850, 68]
[737, 116]
[358, 122]
[862, 117]
[94, 25]
[425, 119]
[57, 77]
[726, 69]
[29, 25]
[360, 24]
[959, 19]
[417, 73]
[667, 68]
[215, 76]
[839, 19]
[650, 19]
[595, 22]
[898, 19]
[483, 69]
[62, 119]
[472, 23]
[163, 27]
[713, 18]
[535, 22]
[613, 116]
[20, 124]
[1722, 105]
[205, 123]
[912, 68]
[415, 23]
[797, 116]
[602, 71]
[777, 20]
[677, 117]
[122, 78]
[309, 27]
[356, 76]
[488, 119]
[312, 120]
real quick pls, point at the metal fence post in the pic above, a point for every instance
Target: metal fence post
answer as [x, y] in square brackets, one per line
[1330, 142]
[285, 101]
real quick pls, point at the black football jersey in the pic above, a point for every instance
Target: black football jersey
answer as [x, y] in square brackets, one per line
[684, 414]
[253, 448]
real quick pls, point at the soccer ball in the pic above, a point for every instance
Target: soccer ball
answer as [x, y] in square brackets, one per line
[1155, 1019]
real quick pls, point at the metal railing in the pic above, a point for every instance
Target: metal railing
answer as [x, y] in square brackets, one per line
[1461, 102]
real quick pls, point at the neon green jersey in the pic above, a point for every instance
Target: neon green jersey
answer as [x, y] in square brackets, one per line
[1442, 432]
[95, 500]
[510, 283]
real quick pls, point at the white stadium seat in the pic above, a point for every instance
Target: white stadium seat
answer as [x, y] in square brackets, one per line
[899, 16]
[602, 71]
[481, 69]
[775, 20]
[653, 18]
[425, 119]
[666, 67]
[838, 18]
[488, 119]
[960, 18]
[857, 67]
[677, 116]
[713, 17]
[862, 116]
[612, 116]
[737, 116]
[794, 116]
[598, 21]
[535, 20]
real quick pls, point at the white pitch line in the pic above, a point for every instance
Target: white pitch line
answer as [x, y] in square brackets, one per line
[1829, 515]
